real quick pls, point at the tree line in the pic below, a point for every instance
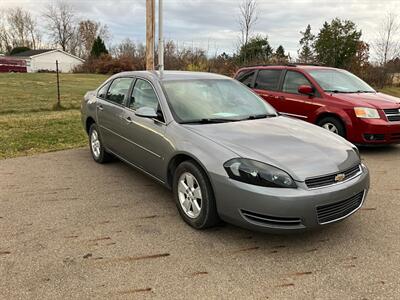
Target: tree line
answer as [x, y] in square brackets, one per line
[338, 43]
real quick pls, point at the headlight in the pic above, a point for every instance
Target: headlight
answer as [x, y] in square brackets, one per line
[366, 113]
[257, 173]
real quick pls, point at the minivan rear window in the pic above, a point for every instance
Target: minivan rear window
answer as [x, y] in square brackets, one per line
[268, 79]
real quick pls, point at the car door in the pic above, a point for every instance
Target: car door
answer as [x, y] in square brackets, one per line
[267, 84]
[110, 108]
[148, 144]
[292, 102]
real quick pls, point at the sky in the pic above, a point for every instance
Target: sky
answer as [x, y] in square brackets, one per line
[213, 25]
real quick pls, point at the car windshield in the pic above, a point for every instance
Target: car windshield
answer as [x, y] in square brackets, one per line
[209, 101]
[340, 81]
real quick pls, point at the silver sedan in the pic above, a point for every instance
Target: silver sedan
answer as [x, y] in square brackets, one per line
[224, 152]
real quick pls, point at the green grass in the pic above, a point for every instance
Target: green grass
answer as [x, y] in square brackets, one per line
[25, 134]
[34, 92]
[394, 91]
[27, 123]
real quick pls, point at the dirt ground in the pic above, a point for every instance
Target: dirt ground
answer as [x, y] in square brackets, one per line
[71, 228]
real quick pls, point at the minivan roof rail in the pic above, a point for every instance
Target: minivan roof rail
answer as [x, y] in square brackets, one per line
[284, 65]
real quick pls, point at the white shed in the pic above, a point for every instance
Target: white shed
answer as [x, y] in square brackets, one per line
[45, 60]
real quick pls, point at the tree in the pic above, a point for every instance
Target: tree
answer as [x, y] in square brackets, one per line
[98, 48]
[387, 44]
[61, 26]
[306, 53]
[247, 20]
[336, 43]
[257, 50]
[18, 29]
[360, 62]
[88, 30]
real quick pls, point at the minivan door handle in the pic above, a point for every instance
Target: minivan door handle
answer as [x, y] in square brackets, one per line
[127, 120]
[100, 107]
[281, 97]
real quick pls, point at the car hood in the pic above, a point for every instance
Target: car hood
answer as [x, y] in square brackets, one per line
[301, 149]
[376, 100]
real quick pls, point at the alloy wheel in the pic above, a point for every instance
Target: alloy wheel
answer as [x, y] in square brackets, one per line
[331, 127]
[95, 143]
[189, 193]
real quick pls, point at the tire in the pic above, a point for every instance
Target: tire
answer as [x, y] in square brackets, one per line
[207, 215]
[334, 125]
[97, 150]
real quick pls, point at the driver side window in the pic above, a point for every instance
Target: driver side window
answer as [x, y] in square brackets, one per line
[292, 82]
[143, 95]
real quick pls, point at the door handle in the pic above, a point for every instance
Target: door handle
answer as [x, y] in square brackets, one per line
[128, 120]
[281, 97]
[100, 107]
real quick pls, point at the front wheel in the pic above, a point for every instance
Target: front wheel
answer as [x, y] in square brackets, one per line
[194, 196]
[334, 125]
[97, 149]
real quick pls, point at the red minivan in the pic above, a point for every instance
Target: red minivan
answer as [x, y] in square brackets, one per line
[332, 98]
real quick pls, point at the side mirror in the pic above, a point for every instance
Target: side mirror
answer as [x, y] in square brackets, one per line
[146, 112]
[306, 90]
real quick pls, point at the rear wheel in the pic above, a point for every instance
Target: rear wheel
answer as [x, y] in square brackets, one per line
[333, 125]
[194, 196]
[97, 149]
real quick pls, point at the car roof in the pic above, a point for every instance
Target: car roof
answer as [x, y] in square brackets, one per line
[288, 66]
[173, 75]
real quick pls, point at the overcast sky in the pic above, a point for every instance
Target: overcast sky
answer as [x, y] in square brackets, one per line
[213, 25]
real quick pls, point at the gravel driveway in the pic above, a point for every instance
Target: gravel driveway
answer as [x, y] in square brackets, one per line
[71, 228]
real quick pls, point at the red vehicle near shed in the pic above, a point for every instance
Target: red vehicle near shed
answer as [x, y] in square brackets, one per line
[332, 98]
[12, 65]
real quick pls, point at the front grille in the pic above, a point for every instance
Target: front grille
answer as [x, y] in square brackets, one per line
[326, 180]
[270, 220]
[392, 114]
[339, 210]
[396, 136]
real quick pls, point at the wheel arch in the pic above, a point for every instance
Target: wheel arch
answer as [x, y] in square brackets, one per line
[178, 159]
[88, 123]
[323, 115]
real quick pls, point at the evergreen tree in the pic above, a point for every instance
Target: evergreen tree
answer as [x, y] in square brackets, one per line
[98, 48]
[337, 43]
[280, 52]
[256, 50]
[306, 52]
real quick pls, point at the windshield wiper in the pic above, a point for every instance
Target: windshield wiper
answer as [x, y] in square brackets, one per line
[348, 92]
[210, 121]
[361, 91]
[260, 116]
[337, 91]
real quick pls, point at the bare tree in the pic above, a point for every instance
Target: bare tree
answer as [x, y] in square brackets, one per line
[88, 31]
[61, 25]
[387, 45]
[18, 29]
[247, 19]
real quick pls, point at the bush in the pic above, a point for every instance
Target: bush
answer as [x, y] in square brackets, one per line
[106, 64]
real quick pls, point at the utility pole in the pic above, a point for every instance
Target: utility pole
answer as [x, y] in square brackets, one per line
[150, 34]
[160, 37]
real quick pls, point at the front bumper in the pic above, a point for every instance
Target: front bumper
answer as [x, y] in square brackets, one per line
[376, 132]
[278, 209]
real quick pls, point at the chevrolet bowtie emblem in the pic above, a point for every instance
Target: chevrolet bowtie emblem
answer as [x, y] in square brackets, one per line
[340, 177]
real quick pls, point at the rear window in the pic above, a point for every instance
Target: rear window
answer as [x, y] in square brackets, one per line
[246, 77]
[268, 79]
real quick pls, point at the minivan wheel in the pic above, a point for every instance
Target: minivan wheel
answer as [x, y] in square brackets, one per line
[194, 196]
[333, 125]
[99, 154]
